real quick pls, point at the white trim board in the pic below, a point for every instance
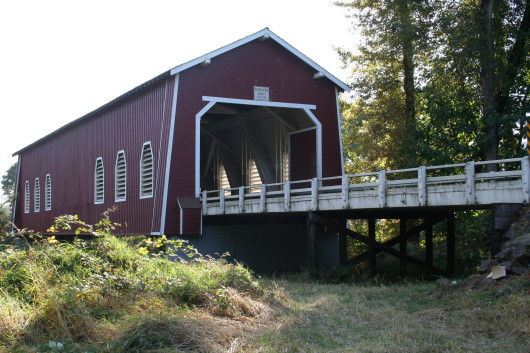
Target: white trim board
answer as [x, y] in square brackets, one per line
[213, 100]
[263, 34]
[168, 157]
[258, 103]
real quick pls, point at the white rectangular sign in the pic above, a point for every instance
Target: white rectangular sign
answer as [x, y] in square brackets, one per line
[261, 93]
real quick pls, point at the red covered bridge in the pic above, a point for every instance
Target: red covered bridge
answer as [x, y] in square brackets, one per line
[255, 111]
[253, 129]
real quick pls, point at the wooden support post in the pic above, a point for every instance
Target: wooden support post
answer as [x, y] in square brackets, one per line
[372, 251]
[222, 200]
[525, 168]
[262, 198]
[204, 203]
[422, 186]
[345, 191]
[343, 245]
[428, 247]
[382, 188]
[451, 244]
[470, 183]
[314, 194]
[403, 247]
[287, 196]
[312, 247]
[241, 199]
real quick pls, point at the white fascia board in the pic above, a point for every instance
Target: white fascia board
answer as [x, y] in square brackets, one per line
[264, 33]
[258, 103]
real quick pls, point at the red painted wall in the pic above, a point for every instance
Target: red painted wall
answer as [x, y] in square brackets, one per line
[234, 75]
[70, 157]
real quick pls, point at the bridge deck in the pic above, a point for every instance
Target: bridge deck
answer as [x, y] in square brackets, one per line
[454, 185]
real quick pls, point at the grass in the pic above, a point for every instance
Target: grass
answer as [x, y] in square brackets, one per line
[112, 295]
[409, 317]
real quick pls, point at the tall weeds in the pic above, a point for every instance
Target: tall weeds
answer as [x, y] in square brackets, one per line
[88, 291]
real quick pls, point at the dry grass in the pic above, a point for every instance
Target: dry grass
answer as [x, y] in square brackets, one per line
[400, 318]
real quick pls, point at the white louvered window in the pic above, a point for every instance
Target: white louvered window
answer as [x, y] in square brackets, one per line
[99, 182]
[36, 196]
[26, 198]
[120, 180]
[48, 193]
[146, 171]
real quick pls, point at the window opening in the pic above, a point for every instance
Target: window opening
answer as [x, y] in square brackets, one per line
[120, 185]
[99, 182]
[26, 197]
[36, 196]
[48, 193]
[146, 171]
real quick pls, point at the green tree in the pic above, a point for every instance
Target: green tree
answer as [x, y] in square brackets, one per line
[436, 81]
[381, 121]
[8, 181]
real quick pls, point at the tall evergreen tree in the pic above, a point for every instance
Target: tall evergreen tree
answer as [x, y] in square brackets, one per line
[437, 81]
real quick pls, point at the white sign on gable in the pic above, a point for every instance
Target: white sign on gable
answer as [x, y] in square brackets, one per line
[261, 93]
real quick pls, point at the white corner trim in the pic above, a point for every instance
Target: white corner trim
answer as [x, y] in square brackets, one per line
[258, 103]
[340, 131]
[264, 33]
[169, 151]
[198, 117]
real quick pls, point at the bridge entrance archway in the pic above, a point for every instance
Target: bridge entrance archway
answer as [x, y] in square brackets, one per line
[245, 143]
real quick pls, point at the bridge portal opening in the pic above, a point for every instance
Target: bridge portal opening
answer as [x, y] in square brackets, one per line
[245, 145]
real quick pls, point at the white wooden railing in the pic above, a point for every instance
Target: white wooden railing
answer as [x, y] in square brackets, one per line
[425, 186]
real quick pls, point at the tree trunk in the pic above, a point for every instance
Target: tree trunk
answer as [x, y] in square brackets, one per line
[407, 48]
[487, 65]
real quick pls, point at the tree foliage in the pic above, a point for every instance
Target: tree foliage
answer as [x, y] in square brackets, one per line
[8, 181]
[436, 81]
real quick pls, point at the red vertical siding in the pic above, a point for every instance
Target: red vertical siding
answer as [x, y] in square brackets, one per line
[70, 157]
[234, 75]
[303, 156]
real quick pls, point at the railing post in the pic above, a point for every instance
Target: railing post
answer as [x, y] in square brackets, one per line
[345, 190]
[241, 199]
[314, 194]
[382, 188]
[222, 200]
[525, 167]
[287, 196]
[204, 202]
[262, 198]
[470, 183]
[422, 186]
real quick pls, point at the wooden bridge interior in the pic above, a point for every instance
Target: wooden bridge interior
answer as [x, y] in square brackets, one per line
[244, 145]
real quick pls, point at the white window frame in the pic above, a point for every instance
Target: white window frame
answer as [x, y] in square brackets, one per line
[97, 179]
[36, 196]
[27, 197]
[145, 195]
[120, 197]
[48, 193]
